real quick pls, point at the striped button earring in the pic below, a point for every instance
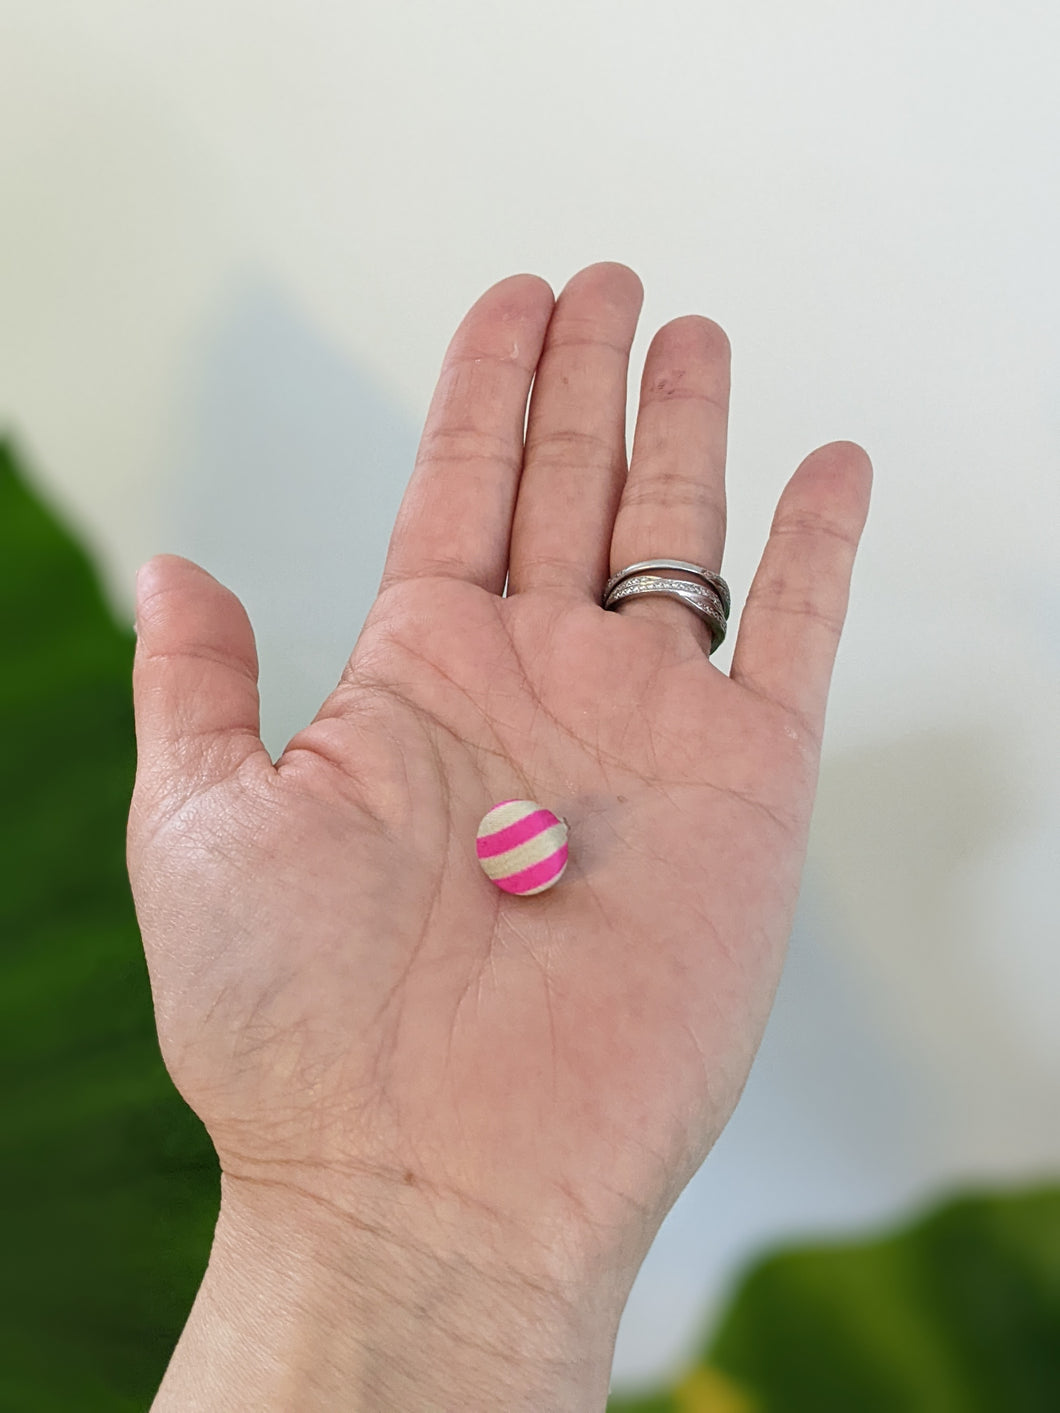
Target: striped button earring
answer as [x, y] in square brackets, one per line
[522, 848]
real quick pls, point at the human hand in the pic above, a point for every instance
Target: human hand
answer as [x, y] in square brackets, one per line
[392, 1057]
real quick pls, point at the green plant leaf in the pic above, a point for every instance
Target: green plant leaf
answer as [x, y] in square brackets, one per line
[958, 1314]
[108, 1182]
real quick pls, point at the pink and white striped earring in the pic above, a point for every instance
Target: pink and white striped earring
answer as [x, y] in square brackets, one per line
[522, 848]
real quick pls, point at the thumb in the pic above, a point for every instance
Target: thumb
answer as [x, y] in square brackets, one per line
[195, 681]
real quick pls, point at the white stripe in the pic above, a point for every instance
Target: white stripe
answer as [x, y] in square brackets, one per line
[502, 816]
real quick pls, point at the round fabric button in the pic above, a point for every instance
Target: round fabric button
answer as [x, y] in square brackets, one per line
[522, 848]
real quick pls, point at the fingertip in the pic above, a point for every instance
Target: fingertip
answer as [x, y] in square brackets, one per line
[506, 324]
[156, 576]
[154, 571]
[538, 283]
[613, 278]
[621, 273]
[844, 456]
[521, 293]
[693, 336]
[834, 481]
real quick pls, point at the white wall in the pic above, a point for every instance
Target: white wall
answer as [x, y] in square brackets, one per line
[234, 240]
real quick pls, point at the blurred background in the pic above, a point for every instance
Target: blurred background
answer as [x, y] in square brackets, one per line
[234, 242]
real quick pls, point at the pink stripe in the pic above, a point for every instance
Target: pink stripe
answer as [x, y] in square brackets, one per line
[536, 874]
[518, 833]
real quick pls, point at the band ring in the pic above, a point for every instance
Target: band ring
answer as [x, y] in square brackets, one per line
[702, 599]
[712, 580]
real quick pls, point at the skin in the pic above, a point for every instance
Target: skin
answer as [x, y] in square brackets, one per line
[450, 1121]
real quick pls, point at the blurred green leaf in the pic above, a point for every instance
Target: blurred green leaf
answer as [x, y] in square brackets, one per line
[108, 1182]
[958, 1314]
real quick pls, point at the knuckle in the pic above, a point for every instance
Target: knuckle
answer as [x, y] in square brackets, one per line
[811, 523]
[779, 598]
[671, 489]
[462, 444]
[570, 445]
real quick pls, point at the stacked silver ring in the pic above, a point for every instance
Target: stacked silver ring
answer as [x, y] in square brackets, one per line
[709, 599]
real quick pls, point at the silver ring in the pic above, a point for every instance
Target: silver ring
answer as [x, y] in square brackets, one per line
[712, 580]
[701, 599]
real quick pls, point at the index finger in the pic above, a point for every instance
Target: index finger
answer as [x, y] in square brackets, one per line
[456, 516]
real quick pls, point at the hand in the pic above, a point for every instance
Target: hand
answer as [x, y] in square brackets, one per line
[383, 1046]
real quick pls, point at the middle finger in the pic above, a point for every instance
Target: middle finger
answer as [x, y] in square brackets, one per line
[574, 464]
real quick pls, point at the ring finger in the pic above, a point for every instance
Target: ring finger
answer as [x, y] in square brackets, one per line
[673, 502]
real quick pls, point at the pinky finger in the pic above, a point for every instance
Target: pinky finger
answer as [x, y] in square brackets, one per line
[794, 614]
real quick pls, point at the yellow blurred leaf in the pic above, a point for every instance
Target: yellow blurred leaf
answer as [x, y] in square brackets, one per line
[707, 1391]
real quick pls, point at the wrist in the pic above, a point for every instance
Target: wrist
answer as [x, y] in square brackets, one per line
[303, 1307]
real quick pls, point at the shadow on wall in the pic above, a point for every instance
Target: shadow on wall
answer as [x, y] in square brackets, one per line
[291, 465]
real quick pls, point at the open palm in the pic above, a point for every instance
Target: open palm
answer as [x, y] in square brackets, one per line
[352, 1008]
